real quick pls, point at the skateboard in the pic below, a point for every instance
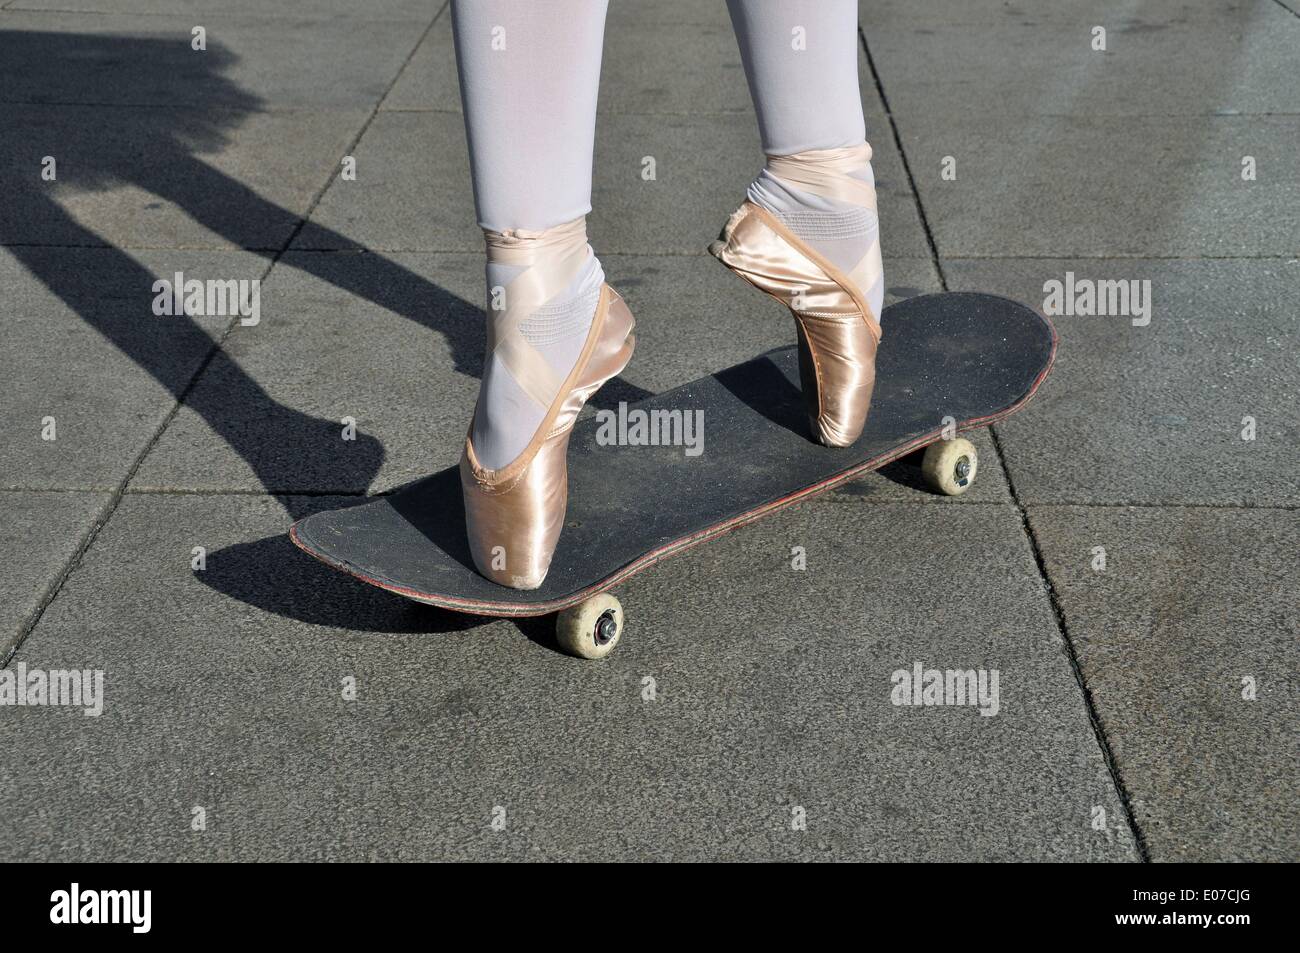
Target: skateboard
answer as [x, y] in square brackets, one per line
[650, 479]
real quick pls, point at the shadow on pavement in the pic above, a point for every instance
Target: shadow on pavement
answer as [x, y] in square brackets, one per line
[159, 151]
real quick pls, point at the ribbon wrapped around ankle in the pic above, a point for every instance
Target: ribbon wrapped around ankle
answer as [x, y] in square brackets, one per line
[826, 172]
[550, 260]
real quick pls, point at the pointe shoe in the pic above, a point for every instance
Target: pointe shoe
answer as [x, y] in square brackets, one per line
[837, 331]
[513, 515]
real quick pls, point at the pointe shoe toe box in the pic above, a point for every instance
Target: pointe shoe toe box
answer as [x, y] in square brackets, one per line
[838, 335]
[514, 515]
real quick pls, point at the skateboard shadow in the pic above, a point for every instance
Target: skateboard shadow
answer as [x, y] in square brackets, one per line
[273, 575]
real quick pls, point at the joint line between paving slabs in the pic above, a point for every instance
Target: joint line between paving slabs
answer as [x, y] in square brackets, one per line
[1094, 719]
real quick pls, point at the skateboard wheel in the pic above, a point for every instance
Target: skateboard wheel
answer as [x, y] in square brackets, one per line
[949, 466]
[591, 629]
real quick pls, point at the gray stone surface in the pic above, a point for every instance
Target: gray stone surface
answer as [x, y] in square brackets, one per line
[40, 532]
[428, 81]
[1160, 60]
[1106, 187]
[224, 685]
[235, 705]
[83, 346]
[381, 210]
[1156, 414]
[1192, 602]
[250, 64]
[165, 177]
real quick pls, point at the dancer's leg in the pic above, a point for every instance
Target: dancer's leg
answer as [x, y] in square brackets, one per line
[807, 233]
[529, 74]
[801, 60]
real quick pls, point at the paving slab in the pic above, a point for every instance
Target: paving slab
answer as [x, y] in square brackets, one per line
[412, 191]
[1187, 640]
[224, 691]
[165, 177]
[722, 718]
[1157, 414]
[91, 373]
[395, 342]
[1185, 60]
[39, 534]
[1106, 186]
[251, 63]
[429, 80]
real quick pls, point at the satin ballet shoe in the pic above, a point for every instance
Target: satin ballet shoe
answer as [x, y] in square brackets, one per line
[514, 515]
[837, 332]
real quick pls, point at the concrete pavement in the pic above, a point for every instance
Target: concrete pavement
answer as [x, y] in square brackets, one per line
[1126, 562]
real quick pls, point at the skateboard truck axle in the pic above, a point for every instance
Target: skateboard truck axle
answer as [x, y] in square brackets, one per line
[606, 627]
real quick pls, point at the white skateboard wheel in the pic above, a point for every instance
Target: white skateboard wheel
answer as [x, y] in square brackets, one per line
[949, 466]
[591, 629]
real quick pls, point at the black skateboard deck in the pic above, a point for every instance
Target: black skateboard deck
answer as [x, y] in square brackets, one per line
[975, 358]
